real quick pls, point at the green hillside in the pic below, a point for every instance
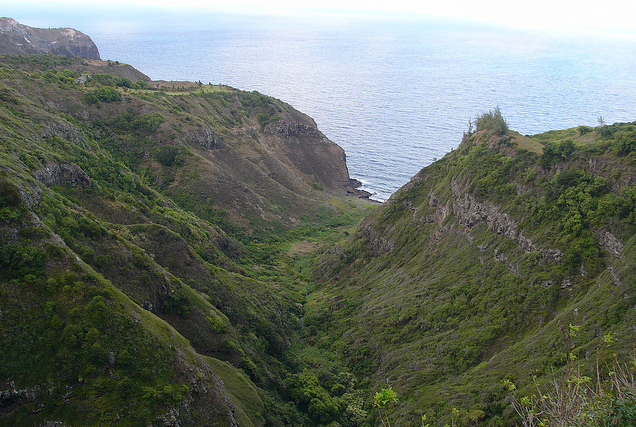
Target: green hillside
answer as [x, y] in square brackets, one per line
[150, 236]
[179, 253]
[472, 273]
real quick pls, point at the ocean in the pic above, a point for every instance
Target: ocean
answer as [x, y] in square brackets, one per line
[396, 94]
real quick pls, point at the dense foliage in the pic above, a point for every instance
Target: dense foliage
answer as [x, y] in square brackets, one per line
[493, 122]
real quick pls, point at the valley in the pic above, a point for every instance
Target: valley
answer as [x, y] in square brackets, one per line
[180, 253]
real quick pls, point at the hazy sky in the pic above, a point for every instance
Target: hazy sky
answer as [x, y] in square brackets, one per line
[580, 15]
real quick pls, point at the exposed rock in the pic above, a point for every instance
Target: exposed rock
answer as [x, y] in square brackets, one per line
[499, 256]
[205, 137]
[605, 167]
[354, 183]
[293, 129]
[610, 243]
[470, 212]
[551, 255]
[378, 246]
[63, 130]
[14, 396]
[615, 279]
[31, 194]
[19, 39]
[63, 174]
[354, 188]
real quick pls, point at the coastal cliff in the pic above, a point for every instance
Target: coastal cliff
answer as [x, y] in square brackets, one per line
[20, 39]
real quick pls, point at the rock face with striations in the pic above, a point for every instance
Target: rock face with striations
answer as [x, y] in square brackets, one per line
[19, 39]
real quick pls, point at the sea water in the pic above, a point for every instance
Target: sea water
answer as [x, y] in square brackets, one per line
[396, 94]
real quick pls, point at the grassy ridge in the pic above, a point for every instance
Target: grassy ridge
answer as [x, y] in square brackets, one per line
[469, 273]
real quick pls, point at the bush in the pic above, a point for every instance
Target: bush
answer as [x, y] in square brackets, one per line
[177, 303]
[110, 80]
[554, 153]
[140, 84]
[492, 122]
[102, 94]
[20, 260]
[578, 400]
[134, 122]
[170, 156]
[625, 143]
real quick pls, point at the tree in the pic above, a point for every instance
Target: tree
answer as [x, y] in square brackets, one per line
[382, 399]
[492, 121]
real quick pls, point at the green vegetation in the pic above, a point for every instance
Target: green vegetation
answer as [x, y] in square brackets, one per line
[608, 399]
[102, 94]
[167, 253]
[493, 122]
[116, 281]
[465, 273]
[382, 399]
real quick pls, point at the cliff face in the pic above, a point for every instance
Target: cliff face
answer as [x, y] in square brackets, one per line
[19, 39]
[472, 272]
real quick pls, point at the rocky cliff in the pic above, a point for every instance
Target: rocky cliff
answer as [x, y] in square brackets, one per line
[19, 39]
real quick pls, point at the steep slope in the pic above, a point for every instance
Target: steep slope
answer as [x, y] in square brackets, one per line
[20, 39]
[472, 272]
[126, 294]
[245, 157]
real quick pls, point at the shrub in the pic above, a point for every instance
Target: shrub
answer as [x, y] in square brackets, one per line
[139, 124]
[554, 153]
[102, 94]
[492, 122]
[177, 303]
[170, 156]
[20, 260]
[140, 84]
[110, 80]
[382, 399]
[577, 400]
[625, 143]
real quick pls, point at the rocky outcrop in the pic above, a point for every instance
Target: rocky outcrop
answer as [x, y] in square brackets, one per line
[19, 39]
[293, 129]
[298, 143]
[68, 174]
[377, 245]
[610, 243]
[205, 137]
[470, 212]
[441, 210]
[13, 396]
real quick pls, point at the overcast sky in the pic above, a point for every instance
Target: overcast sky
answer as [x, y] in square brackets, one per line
[580, 15]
